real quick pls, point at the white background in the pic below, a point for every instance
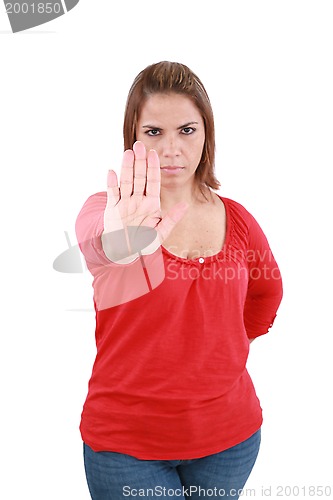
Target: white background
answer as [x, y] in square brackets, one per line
[267, 66]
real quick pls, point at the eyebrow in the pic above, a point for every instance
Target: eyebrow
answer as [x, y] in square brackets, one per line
[178, 128]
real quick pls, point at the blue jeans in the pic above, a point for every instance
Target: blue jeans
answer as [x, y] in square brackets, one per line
[116, 476]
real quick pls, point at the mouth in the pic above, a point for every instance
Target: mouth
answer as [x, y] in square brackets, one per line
[172, 169]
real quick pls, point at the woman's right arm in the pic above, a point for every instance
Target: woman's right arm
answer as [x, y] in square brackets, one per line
[89, 227]
[120, 232]
[126, 221]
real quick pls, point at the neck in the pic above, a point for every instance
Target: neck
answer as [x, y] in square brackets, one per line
[191, 194]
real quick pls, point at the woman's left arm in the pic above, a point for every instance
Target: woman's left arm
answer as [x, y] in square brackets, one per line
[264, 292]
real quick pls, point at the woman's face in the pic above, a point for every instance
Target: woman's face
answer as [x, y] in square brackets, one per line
[173, 126]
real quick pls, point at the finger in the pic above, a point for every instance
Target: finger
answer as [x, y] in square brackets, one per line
[112, 217]
[126, 174]
[112, 189]
[140, 168]
[153, 187]
[169, 221]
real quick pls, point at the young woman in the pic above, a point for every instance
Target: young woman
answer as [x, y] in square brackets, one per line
[184, 280]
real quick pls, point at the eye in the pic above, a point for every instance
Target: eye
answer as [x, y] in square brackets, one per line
[188, 130]
[153, 132]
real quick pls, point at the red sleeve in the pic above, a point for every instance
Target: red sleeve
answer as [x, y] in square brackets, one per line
[113, 283]
[89, 227]
[264, 292]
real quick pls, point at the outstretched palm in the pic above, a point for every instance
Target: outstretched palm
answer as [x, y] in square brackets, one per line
[133, 208]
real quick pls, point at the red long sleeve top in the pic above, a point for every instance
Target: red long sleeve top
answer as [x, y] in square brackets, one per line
[169, 379]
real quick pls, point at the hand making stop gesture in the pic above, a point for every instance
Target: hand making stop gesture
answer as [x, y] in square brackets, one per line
[132, 219]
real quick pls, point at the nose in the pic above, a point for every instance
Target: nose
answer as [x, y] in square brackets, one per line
[170, 147]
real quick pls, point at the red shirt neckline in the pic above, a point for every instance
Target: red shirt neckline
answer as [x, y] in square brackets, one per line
[210, 258]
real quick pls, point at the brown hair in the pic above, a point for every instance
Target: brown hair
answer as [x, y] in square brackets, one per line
[166, 77]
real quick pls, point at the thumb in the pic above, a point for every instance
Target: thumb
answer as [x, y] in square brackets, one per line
[168, 222]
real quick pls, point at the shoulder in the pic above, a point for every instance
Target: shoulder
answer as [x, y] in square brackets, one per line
[90, 216]
[243, 223]
[237, 211]
[96, 201]
[96, 198]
